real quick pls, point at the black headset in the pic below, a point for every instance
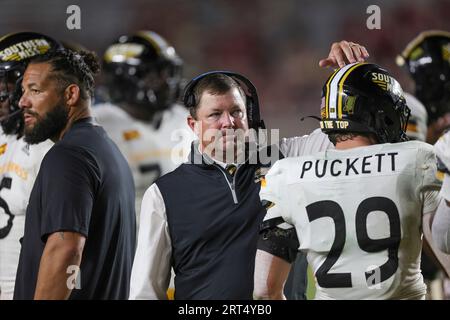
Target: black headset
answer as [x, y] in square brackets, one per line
[251, 96]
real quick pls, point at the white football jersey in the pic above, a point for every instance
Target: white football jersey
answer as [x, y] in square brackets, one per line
[418, 119]
[19, 166]
[442, 150]
[316, 141]
[358, 214]
[150, 152]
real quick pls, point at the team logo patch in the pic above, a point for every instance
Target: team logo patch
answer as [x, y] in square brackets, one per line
[387, 83]
[24, 50]
[349, 106]
[3, 148]
[382, 80]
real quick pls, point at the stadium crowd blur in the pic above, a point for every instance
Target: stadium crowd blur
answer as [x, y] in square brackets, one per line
[275, 43]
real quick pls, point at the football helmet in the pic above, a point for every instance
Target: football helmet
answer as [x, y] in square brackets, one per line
[364, 98]
[427, 58]
[16, 49]
[143, 71]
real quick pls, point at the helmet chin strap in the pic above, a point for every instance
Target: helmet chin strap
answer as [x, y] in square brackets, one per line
[313, 117]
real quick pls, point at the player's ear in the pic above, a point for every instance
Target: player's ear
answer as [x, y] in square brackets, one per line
[195, 125]
[72, 94]
[191, 122]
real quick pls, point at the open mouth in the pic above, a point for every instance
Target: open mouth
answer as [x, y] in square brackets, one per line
[28, 118]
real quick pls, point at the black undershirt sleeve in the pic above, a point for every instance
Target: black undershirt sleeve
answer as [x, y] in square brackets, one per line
[69, 183]
[279, 242]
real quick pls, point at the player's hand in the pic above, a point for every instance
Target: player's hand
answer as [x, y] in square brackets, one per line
[442, 150]
[344, 52]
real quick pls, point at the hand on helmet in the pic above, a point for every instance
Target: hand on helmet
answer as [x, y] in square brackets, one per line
[344, 52]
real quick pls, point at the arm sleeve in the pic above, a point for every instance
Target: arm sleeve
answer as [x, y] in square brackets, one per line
[277, 237]
[441, 227]
[150, 275]
[69, 180]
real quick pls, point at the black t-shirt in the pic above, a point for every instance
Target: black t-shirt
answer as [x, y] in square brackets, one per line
[84, 185]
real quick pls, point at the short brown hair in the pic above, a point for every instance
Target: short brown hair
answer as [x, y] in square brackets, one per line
[216, 83]
[70, 67]
[335, 137]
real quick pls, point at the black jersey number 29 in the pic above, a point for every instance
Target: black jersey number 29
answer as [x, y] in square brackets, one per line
[333, 210]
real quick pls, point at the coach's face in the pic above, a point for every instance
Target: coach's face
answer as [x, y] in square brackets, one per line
[221, 123]
[42, 102]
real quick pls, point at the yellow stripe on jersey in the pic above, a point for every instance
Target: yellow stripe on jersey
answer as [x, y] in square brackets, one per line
[131, 135]
[170, 294]
[440, 175]
[267, 204]
[15, 168]
[3, 148]
[263, 182]
[411, 127]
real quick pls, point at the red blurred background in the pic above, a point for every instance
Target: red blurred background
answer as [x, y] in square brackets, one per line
[277, 44]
